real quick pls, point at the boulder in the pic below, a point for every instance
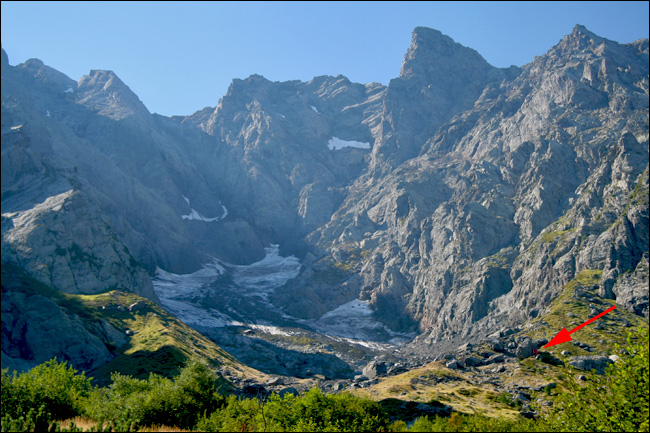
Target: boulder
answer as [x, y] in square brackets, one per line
[550, 385]
[254, 390]
[375, 368]
[137, 306]
[274, 381]
[453, 365]
[396, 369]
[495, 345]
[496, 358]
[615, 358]
[524, 348]
[540, 342]
[590, 362]
[289, 390]
[472, 361]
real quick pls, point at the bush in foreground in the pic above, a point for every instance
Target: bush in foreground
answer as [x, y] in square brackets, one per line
[617, 401]
[313, 411]
[52, 390]
[179, 402]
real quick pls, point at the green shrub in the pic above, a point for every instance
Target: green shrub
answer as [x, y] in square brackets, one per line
[157, 400]
[473, 423]
[617, 401]
[235, 415]
[33, 420]
[314, 411]
[52, 390]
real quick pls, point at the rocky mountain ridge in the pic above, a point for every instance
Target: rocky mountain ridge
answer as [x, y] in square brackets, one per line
[458, 200]
[490, 218]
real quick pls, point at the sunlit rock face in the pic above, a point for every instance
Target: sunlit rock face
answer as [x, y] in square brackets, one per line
[455, 201]
[543, 176]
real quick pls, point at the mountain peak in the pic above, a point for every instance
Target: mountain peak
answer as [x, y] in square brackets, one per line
[580, 30]
[102, 90]
[435, 54]
[5, 58]
[579, 40]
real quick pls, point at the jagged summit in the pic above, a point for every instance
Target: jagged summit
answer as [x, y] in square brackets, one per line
[106, 93]
[439, 79]
[581, 32]
[438, 56]
[582, 42]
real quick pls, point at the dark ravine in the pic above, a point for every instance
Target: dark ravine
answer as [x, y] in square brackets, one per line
[455, 202]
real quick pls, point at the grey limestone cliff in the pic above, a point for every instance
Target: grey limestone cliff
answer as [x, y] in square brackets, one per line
[545, 176]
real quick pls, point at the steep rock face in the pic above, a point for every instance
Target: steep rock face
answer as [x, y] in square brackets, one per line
[56, 244]
[162, 192]
[439, 78]
[104, 93]
[36, 329]
[291, 177]
[509, 200]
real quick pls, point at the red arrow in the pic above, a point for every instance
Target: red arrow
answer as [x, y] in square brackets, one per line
[563, 336]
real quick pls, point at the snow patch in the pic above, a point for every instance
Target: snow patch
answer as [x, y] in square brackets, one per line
[273, 330]
[268, 274]
[353, 308]
[354, 323]
[196, 216]
[336, 143]
[189, 282]
[69, 90]
[315, 109]
[183, 295]
[177, 291]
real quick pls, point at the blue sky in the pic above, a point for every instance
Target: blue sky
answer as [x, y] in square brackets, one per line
[180, 57]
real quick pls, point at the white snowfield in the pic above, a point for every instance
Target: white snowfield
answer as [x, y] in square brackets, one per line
[182, 295]
[194, 215]
[176, 292]
[336, 143]
[315, 109]
[270, 273]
